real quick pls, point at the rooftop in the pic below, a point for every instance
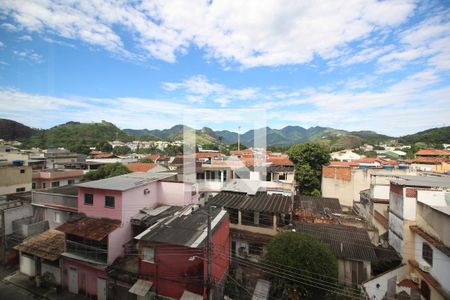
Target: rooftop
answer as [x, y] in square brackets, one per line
[89, 228]
[318, 205]
[433, 152]
[48, 245]
[186, 227]
[345, 242]
[126, 182]
[261, 202]
[422, 181]
[68, 190]
[141, 167]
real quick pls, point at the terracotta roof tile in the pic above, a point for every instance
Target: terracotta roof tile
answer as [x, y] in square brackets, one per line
[141, 167]
[433, 152]
[90, 228]
[48, 245]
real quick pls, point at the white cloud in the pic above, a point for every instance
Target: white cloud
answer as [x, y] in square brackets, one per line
[247, 33]
[29, 55]
[25, 38]
[198, 89]
[2, 45]
[9, 27]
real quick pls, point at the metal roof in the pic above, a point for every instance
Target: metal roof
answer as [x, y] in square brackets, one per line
[186, 227]
[346, 242]
[261, 202]
[423, 181]
[318, 205]
[244, 186]
[48, 245]
[90, 228]
[125, 182]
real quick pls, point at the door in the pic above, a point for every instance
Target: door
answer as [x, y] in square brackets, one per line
[101, 289]
[73, 280]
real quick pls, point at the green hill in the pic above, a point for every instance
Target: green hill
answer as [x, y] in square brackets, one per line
[433, 136]
[75, 133]
[12, 130]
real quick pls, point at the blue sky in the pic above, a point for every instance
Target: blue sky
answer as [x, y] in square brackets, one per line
[354, 65]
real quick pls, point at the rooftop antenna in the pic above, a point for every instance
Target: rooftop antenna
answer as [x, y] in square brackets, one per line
[239, 138]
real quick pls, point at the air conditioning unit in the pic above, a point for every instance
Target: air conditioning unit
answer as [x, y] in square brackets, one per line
[414, 278]
[424, 266]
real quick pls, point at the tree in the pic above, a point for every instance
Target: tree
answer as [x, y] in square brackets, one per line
[309, 257]
[233, 147]
[308, 159]
[121, 150]
[146, 160]
[106, 171]
[103, 146]
[80, 149]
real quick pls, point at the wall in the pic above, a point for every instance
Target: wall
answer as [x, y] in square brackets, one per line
[49, 215]
[16, 213]
[434, 222]
[45, 267]
[396, 233]
[98, 209]
[176, 193]
[380, 191]
[116, 240]
[11, 179]
[27, 265]
[379, 292]
[441, 263]
[396, 200]
[41, 197]
[87, 277]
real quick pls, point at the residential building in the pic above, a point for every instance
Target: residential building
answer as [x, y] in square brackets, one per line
[430, 164]
[40, 258]
[53, 178]
[310, 209]
[14, 178]
[173, 255]
[255, 218]
[60, 156]
[351, 246]
[433, 153]
[96, 238]
[345, 155]
[345, 180]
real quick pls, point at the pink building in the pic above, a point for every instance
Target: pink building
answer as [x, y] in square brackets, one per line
[96, 239]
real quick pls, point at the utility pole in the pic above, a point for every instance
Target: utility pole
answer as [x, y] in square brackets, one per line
[209, 261]
[239, 138]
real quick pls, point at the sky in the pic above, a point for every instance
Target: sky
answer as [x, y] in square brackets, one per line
[350, 64]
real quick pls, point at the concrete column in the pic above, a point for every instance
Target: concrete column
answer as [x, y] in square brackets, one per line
[239, 217]
[221, 176]
[274, 222]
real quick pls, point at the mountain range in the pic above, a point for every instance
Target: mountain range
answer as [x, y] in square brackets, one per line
[72, 133]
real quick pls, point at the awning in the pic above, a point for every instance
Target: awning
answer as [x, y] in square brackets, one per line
[141, 287]
[191, 296]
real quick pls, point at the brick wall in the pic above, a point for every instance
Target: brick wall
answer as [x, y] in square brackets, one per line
[398, 189]
[411, 193]
[342, 173]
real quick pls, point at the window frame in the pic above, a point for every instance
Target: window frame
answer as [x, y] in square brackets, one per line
[427, 254]
[144, 254]
[109, 197]
[92, 199]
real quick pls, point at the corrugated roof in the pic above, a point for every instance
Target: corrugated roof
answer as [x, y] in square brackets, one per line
[125, 182]
[261, 202]
[48, 245]
[318, 205]
[141, 167]
[90, 228]
[184, 228]
[346, 242]
[422, 181]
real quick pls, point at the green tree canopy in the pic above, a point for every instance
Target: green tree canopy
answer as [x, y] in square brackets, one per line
[309, 159]
[309, 257]
[80, 149]
[103, 146]
[233, 147]
[146, 160]
[121, 150]
[106, 171]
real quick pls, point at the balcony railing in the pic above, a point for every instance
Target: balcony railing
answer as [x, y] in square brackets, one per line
[86, 251]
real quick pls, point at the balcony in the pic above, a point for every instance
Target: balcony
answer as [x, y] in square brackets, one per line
[89, 252]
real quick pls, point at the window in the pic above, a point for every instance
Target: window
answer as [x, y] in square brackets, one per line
[233, 213]
[88, 199]
[282, 176]
[43, 185]
[33, 185]
[21, 189]
[149, 254]
[255, 249]
[22, 171]
[55, 183]
[427, 253]
[70, 181]
[425, 290]
[57, 217]
[109, 201]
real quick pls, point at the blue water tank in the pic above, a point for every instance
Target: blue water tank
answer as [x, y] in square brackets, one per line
[18, 162]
